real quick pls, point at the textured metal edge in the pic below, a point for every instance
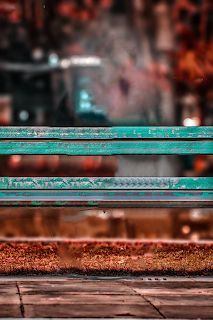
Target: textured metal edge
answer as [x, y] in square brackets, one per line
[106, 183]
[109, 148]
[106, 133]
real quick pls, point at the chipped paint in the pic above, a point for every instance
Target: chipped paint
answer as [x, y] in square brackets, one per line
[109, 198]
[107, 192]
[107, 148]
[131, 183]
[106, 133]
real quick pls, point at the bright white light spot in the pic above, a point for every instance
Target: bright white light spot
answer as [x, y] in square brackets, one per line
[38, 54]
[196, 214]
[53, 59]
[84, 95]
[86, 61]
[65, 63]
[78, 61]
[24, 115]
[191, 122]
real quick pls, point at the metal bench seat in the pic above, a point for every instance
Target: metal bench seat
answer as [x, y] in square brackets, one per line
[106, 192]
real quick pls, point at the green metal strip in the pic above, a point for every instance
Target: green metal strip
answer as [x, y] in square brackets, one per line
[107, 148]
[131, 183]
[106, 133]
[106, 198]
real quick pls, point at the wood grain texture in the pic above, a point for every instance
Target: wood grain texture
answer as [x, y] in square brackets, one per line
[70, 298]
[108, 183]
[92, 311]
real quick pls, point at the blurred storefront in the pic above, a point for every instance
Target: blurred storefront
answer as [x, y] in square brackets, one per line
[102, 63]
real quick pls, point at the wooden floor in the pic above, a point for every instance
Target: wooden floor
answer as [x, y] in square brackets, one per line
[146, 298]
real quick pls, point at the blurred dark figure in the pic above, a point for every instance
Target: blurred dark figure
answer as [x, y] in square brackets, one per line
[135, 83]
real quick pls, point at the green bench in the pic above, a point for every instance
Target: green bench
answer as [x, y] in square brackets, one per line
[106, 192]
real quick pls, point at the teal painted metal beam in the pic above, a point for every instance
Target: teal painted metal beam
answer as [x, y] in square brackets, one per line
[106, 199]
[107, 148]
[106, 133]
[129, 183]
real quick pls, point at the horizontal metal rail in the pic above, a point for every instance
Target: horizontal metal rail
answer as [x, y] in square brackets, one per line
[108, 183]
[106, 199]
[106, 192]
[107, 148]
[106, 133]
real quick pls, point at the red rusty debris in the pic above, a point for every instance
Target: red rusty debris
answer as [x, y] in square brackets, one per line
[105, 257]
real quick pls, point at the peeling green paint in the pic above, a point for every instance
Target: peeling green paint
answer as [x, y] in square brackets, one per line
[122, 183]
[107, 148]
[107, 192]
[106, 133]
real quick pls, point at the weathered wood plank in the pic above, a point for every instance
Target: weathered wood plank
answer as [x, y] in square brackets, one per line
[8, 289]
[107, 148]
[108, 199]
[64, 298]
[164, 291]
[106, 133]
[91, 311]
[10, 310]
[82, 287]
[173, 305]
[187, 312]
[174, 285]
[9, 304]
[9, 299]
[181, 300]
[131, 183]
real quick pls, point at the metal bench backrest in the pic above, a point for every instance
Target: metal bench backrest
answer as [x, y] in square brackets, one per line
[106, 192]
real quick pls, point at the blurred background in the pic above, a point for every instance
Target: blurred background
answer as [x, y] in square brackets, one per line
[102, 63]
